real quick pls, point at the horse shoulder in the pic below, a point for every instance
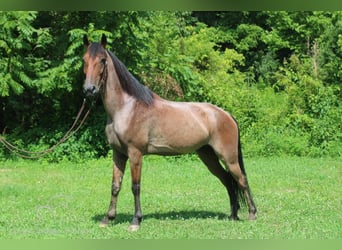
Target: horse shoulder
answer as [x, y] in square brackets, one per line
[112, 136]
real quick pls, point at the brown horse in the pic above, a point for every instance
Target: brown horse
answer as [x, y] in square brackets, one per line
[140, 122]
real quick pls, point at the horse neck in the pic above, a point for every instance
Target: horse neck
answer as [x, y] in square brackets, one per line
[113, 96]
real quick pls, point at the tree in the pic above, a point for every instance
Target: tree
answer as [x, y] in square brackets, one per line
[279, 73]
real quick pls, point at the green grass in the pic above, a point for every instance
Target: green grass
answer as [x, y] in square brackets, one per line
[297, 198]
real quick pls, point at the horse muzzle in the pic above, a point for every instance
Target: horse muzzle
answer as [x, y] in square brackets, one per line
[90, 90]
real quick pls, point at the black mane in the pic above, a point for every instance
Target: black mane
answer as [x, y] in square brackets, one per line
[130, 84]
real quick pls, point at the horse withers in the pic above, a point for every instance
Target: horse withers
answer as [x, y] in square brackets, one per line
[139, 122]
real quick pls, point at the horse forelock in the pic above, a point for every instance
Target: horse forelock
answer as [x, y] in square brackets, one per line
[95, 49]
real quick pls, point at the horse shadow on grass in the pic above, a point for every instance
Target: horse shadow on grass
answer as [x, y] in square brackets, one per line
[172, 215]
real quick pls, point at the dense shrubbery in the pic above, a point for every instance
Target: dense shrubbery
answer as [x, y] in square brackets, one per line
[278, 73]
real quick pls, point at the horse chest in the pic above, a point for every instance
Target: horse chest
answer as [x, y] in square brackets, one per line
[121, 134]
[115, 135]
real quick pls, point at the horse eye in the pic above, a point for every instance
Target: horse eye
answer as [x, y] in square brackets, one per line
[103, 61]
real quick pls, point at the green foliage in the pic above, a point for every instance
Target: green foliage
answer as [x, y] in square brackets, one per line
[88, 143]
[16, 42]
[279, 73]
[163, 66]
[312, 107]
[184, 54]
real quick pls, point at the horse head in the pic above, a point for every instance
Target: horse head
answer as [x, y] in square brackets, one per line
[95, 66]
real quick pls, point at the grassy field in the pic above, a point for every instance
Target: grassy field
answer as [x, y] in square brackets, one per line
[297, 198]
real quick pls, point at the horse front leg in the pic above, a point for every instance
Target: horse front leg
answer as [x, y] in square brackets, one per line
[119, 165]
[135, 158]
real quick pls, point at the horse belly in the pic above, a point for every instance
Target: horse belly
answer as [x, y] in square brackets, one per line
[178, 138]
[167, 148]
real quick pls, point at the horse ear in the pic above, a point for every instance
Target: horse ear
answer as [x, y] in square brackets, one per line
[103, 40]
[86, 41]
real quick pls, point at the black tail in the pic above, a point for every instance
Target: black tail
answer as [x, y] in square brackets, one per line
[241, 196]
[236, 188]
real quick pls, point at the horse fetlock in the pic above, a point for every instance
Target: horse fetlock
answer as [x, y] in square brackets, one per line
[137, 220]
[234, 217]
[105, 221]
[135, 225]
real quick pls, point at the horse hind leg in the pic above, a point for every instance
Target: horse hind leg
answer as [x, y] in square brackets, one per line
[241, 178]
[231, 157]
[210, 159]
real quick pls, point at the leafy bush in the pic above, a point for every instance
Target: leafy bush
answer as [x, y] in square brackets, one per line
[278, 73]
[88, 143]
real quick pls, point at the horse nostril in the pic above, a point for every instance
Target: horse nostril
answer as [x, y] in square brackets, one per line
[90, 90]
